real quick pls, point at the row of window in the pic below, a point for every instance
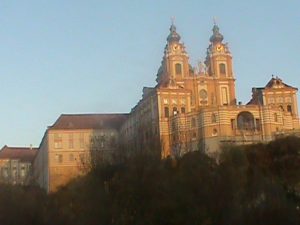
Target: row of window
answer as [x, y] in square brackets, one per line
[176, 138]
[280, 100]
[58, 143]
[204, 98]
[175, 111]
[213, 120]
[13, 172]
[174, 101]
[246, 120]
[58, 140]
[178, 69]
[60, 159]
[288, 108]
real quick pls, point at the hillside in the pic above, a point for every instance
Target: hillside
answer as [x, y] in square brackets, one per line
[256, 184]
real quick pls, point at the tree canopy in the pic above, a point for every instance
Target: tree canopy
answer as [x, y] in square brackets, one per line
[254, 184]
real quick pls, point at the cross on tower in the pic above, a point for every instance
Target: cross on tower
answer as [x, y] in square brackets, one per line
[173, 20]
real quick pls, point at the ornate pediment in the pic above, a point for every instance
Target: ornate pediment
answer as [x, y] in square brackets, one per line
[277, 83]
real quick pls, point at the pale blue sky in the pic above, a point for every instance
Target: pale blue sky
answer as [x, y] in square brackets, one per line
[95, 56]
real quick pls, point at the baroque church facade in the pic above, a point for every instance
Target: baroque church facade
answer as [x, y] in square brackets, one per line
[196, 109]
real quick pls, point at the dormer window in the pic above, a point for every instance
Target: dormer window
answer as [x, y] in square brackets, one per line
[178, 69]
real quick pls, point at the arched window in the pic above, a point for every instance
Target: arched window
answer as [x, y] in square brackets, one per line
[182, 110]
[245, 121]
[213, 118]
[281, 108]
[175, 112]
[289, 108]
[222, 68]
[166, 111]
[215, 132]
[178, 69]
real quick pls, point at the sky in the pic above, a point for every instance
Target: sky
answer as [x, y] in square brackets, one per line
[96, 56]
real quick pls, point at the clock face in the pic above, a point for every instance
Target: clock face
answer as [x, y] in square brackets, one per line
[176, 47]
[219, 48]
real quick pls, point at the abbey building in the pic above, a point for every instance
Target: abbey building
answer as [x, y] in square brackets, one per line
[193, 109]
[189, 109]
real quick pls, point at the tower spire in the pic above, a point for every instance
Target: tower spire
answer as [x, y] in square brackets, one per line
[173, 36]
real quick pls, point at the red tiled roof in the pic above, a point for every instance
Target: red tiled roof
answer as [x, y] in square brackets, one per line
[21, 153]
[89, 121]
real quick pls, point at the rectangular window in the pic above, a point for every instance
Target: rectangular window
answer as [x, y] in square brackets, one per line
[14, 171]
[257, 124]
[57, 136]
[275, 117]
[193, 122]
[224, 96]
[213, 118]
[71, 141]
[166, 111]
[57, 144]
[71, 157]
[193, 100]
[213, 99]
[288, 99]
[57, 140]
[222, 68]
[5, 172]
[81, 140]
[232, 124]
[22, 172]
[81, 158]
[194, 135]
[59, 158]
[178, 69]
[182, 110]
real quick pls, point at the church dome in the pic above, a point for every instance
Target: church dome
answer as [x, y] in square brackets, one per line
[217, 36]
[173, 36]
